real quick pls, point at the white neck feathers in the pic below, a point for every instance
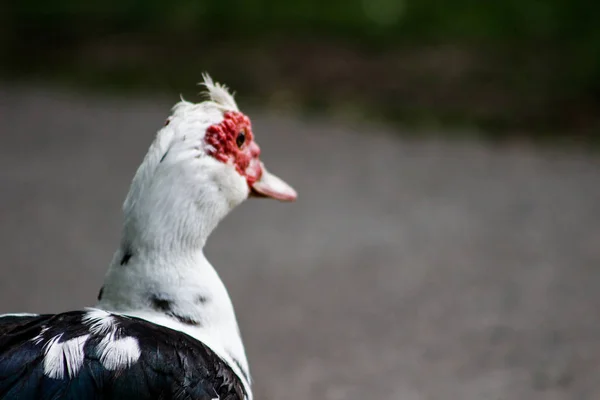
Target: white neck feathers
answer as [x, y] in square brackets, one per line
[177, 197]
[183, 293]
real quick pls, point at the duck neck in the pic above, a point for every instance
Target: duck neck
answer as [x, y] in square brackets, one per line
[160, 273]
[180, 290]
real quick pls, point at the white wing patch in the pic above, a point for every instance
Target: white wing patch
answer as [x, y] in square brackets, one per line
[64, 355]
[100, 321]
[69, 355]
[119, 353]
[114, 353]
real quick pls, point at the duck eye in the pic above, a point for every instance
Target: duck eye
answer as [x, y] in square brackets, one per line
[241, 138]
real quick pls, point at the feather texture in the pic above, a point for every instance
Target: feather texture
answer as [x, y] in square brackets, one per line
[67, 356]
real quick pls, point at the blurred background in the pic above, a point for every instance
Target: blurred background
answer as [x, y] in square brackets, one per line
[446, 240]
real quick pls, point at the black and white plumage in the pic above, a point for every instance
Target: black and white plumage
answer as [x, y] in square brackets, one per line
[93, 354]
[164, 326]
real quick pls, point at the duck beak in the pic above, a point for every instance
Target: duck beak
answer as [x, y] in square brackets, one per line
[271, 186]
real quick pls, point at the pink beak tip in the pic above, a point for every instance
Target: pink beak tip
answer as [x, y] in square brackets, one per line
[270, 185]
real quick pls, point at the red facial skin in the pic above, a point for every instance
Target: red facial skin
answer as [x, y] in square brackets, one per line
[222, 138]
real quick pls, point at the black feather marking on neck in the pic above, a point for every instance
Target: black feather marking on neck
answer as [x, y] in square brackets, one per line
[160, 304]
[100, 293]
[185, 319]
[127, 254]
[163, 156]
[166, 306]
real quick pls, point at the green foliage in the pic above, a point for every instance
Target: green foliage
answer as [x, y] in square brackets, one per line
[507, 19]
[548, 48]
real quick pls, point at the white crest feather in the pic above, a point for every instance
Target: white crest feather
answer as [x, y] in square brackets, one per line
[219, 94]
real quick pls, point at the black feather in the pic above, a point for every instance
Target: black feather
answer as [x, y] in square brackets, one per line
[172, 365]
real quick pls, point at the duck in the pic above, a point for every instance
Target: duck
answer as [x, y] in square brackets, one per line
[164, 326]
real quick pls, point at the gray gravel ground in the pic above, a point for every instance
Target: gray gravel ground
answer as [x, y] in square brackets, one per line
[407, 269]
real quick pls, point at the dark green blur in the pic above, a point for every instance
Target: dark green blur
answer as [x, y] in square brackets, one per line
[508, 68]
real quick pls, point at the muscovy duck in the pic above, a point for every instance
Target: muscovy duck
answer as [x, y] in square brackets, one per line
[164, 326]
